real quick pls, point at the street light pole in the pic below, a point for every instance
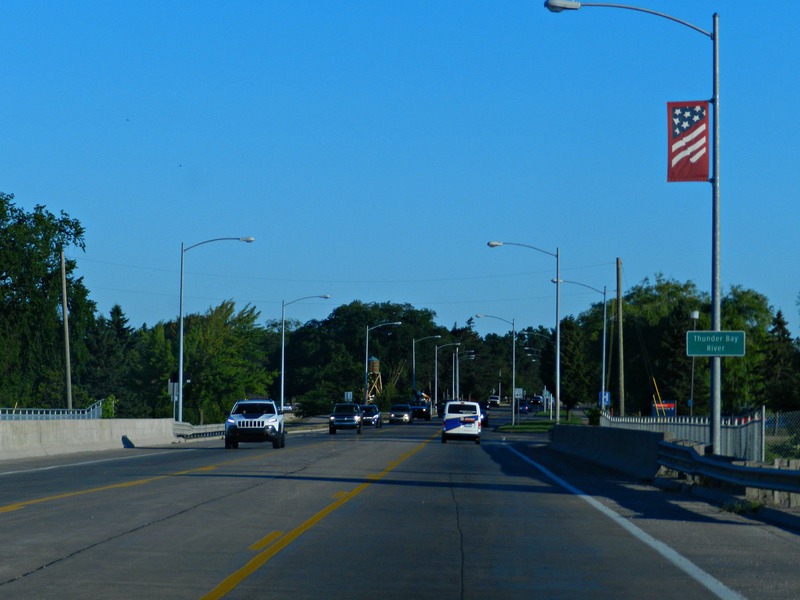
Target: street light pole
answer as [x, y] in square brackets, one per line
[716, 286]
[603, 364]
[436, 371]
[468, 355]
[695, 316]
[513, 363]
[366, 356]
[454, 372]
[414, 359]
[284, 304]
[184, 250]
[557, 256]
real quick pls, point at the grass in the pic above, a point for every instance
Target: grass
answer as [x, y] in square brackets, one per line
[537, 425]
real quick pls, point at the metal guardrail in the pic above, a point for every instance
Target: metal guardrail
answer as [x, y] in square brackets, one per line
[95, 411]
[189, 431]
[684, 458]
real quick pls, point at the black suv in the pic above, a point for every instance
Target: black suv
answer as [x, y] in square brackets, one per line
[420, 409]
[346, 415]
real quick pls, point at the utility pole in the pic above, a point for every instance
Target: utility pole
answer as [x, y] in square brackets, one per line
[619, 334]
[68, 374]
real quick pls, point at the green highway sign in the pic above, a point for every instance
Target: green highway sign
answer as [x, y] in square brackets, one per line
[715, 343]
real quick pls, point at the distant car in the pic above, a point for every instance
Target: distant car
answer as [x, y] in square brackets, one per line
[523, 407]
[494, 401]
[255, 421]
[371, 415]
[401, 413]
[421, 409]
[462, 420]
[440, 408]
[346, 415]
[484, 413]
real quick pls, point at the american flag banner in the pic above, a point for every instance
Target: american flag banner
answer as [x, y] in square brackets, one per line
[688, 141]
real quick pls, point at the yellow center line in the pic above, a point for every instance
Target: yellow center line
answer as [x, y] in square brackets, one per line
[18, 505]
[117, 486]
[266, 540]
[258, 561]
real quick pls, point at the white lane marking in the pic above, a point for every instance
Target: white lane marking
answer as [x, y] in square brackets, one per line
[80, 464]
[716, 587]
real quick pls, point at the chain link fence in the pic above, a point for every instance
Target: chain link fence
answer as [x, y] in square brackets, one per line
[782, 436]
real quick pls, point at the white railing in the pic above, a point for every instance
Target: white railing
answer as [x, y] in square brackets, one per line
[95, 411]
[740, 437]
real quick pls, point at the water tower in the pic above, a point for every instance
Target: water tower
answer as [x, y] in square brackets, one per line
[374, 381]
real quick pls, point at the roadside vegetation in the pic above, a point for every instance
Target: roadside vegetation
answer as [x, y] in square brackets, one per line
[233, 351]
[540, 424]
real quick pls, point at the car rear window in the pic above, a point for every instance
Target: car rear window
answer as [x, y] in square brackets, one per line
[462, 409]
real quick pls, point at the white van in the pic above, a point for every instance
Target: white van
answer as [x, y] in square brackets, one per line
[461, 420]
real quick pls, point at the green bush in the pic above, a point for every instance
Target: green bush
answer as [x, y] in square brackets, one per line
[594, 416]
[109, 410]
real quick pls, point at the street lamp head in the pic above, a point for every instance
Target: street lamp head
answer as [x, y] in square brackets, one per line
[479, 316]
[325, 296]
[557, 6]
[494, 244]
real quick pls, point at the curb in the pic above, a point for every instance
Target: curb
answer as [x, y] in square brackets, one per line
[788, 518]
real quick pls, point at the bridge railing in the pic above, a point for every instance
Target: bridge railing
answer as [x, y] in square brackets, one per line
[783, 476]
[188, 431]
[740, 437]
[95, 411]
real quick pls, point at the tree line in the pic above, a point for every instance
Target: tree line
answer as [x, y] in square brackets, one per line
[231, 354]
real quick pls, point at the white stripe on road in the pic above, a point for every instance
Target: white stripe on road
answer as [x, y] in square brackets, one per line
[715, 586]
[80, 464]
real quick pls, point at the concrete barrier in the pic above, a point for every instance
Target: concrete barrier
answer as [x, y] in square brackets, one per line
[633, 452]
[25, 439]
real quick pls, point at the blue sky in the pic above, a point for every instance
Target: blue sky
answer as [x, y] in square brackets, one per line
[373, 148]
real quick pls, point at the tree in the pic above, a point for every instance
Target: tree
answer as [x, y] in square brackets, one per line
[157, 362]
[31, 325]
[113, 357]
[223, 362]
[656, 316]
[781, 368]
[575, 374]
[742, 377]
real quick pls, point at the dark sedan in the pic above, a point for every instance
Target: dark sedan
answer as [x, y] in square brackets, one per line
[371, 415]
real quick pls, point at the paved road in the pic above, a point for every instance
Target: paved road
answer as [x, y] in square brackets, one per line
[392, 513]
